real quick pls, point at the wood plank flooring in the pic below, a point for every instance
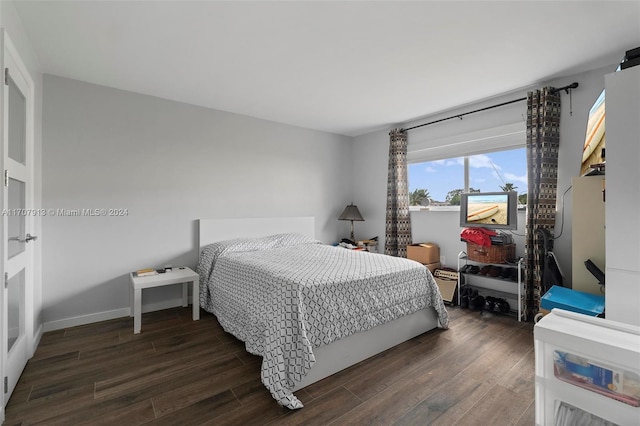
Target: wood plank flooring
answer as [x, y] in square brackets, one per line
[184, 372]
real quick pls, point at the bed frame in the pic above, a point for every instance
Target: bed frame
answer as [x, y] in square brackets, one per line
[344, 352]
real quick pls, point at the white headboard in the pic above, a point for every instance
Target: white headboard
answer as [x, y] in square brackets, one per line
[212, 230]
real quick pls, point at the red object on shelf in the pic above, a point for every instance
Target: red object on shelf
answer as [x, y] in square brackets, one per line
[479, 236]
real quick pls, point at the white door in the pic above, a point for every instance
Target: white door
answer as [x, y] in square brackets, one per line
[18, 218]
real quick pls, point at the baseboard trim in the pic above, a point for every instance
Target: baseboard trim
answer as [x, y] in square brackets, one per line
[85, 319]
[36, 339]
[106, 315]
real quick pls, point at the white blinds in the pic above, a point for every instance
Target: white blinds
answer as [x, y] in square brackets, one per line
[492, 139]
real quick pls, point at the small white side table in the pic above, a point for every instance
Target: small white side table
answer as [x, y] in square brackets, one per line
[182, 275]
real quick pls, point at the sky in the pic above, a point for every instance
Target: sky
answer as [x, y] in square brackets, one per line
[487, 173]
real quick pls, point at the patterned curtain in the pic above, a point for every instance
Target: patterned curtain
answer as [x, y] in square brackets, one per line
[398, 221]
[543, 143]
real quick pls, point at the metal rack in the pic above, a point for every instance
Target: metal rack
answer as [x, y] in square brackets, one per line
[503, 288]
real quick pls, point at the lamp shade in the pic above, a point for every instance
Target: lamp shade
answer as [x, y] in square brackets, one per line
[351, 212]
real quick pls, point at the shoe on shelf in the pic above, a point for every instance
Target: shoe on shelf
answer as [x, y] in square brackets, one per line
[473, 269]
[464, 268]
[489, 303]
[476, 302]
[506, 273]
[494, 272]
[502, 306]
[464, 297]
[485, 270]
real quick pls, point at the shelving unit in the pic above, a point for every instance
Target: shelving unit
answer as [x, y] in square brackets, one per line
[610, 349]
[493, 286]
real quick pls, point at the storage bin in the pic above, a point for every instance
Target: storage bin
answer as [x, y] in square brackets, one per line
[572, 300]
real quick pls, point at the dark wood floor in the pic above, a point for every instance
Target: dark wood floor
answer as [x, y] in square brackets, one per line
[184, 372]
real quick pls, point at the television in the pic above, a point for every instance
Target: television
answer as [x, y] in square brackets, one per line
[491, 210]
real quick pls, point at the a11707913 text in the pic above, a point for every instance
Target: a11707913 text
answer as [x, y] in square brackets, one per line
[84, 212]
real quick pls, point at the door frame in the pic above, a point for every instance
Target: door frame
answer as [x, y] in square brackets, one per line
[31, 221]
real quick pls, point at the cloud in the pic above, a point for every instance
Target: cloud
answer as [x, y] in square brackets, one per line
[482, 161]
[430, 169]
[510, 177]
[455, 162]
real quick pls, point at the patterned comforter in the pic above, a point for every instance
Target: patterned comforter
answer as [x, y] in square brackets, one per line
[286, 294]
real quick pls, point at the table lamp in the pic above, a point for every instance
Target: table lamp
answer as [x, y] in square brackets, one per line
[351, 213]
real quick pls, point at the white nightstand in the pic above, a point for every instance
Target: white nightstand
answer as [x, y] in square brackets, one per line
[182, 275]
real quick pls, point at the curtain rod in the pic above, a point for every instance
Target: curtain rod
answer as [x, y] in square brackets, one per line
[554, 90]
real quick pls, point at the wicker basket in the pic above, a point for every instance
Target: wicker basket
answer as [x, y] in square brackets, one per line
[491, 254]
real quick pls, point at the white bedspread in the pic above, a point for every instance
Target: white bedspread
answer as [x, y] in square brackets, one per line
[287, 294]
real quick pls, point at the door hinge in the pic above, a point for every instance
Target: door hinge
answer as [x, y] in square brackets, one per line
[6, 384]
[6, 178]
[6, 76]
[6, 280]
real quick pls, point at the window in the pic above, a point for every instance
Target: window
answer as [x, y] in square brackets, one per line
[437, 184]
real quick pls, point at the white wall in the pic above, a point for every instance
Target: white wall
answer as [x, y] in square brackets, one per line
[168, 164]
[371, 156]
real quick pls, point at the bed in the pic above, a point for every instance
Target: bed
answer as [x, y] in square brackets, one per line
[309, 309]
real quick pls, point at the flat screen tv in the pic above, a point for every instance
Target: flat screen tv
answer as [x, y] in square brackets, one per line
[492, 210]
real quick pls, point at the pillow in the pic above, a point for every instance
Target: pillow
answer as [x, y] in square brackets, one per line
[212, 252]
[288, 240]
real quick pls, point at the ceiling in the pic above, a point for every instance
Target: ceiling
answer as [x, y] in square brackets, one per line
[341, 67]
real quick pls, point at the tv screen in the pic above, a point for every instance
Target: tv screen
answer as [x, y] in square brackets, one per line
[492, 210]
[594, 142]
